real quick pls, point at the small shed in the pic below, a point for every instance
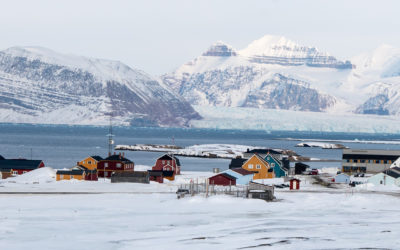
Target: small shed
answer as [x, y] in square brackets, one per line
[156, 175]
[135, 177]
[300, 167]
[222, 179]
[342, 178]
[294, 184]
[243, 176]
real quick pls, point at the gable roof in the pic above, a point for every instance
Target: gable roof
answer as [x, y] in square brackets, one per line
[225, 175]
[259, 158]
[20, 164]
[97, 158]
[70, 172]
[2, 158]
[237, 163]
[242, 171]
[117, 158]
[170, 157]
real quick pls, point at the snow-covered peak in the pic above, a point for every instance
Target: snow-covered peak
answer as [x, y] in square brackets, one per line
[279, 46]
[101, 68]
[384, 60]
[220, 49]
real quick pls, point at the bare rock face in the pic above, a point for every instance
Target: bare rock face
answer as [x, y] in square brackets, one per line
[38, 85]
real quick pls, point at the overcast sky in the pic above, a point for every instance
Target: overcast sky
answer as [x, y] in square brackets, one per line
[158, 36]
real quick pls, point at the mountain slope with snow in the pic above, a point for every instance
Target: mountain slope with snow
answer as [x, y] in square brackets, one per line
[276, 73]
[38, 85]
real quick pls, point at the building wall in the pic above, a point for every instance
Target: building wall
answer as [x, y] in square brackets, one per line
[221, 180]
[382, 179]
[113, 167]
[342, 178]
[276, 165]
[164, 164]
[60, 177]
[262, 172]
[89, 163]
[241, 179]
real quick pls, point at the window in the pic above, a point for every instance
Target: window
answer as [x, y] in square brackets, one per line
[89, 162]
[268, 158]
[272, 164]
[362, 161]
[118, 165]
[385, 162]
[250, 166]
[15, 172]
[24, 172]
[163, 162]
[347, 160]
[61, 176]
[258, 166]
[106, 164]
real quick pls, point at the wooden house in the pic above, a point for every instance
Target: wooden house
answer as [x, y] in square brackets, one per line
[90, 162]
[168, 162]
[243, 176]
[77, 173]
[389, 177]
[259, 167]
[20, 166]
[222, 179]
[114, 164]
[5, 173]
[237, 163]
[275, 164]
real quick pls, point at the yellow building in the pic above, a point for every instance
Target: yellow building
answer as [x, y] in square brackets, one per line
[70, 174]
[259, 166]
[90, 162]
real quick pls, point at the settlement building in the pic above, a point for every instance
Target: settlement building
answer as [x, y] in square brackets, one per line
[342, 178]
[135, 177]
[90, 162]
[114, 164]
[275, 164]
[77, 173]
[19, 166]
[222, 179]
[168, 162]
[388, 177]
[367, 160]
[259, 167]
[243, 176]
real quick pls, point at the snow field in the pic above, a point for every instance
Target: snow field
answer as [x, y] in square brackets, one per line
[160, 221]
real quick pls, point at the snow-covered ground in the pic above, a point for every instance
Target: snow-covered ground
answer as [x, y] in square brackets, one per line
[149, 216]
[161, 221]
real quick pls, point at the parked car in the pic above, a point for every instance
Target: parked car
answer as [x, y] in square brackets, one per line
[314, 171]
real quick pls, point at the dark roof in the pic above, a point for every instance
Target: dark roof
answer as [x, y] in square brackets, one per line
[263, 151]
[392, 173]
[397, 169]
[2, 158]
[237, 163]
[20, 164]
[155, 172]
[131, 174]
[226, 175]
[118, 158]
[70, 172]
[170, 157]
[242, 171]
[97, 158]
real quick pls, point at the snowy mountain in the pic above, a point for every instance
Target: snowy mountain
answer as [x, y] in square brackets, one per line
[276, 73]
[38, 85]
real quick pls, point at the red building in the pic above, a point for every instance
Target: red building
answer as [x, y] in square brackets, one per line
[114, 164]
[19, 166]
[168, 163]
[294, 184]
[222, 179]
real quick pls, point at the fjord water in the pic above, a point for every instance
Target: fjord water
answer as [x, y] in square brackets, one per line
[61, 146]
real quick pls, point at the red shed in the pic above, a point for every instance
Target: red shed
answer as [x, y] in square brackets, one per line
[222, 179]
[294, 184]
[114, 164]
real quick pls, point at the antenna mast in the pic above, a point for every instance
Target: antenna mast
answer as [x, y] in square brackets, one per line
[110, 138]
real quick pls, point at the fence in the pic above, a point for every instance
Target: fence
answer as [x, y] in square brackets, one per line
[208, 190]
